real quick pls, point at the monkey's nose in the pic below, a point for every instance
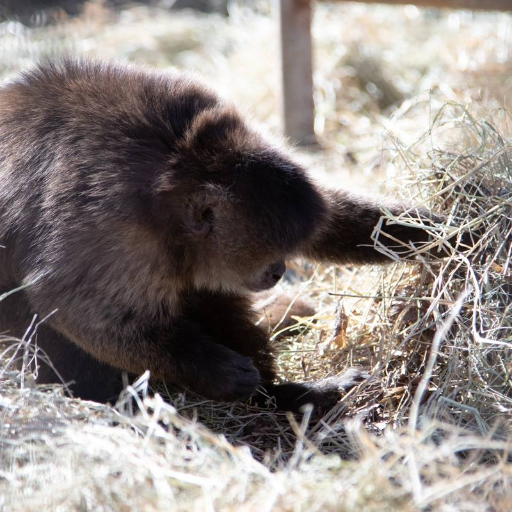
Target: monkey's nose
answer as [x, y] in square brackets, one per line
[277, 270]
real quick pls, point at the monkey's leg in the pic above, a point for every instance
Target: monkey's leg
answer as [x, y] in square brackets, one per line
[213, 348]
[59, 360]
[184, 355]
[346, 233]
[323, 393]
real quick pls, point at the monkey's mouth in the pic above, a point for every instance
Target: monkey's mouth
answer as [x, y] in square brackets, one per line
[270, 276]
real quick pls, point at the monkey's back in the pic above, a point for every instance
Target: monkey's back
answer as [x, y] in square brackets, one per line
[79, 140]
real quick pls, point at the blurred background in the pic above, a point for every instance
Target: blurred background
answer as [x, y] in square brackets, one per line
[372, 63]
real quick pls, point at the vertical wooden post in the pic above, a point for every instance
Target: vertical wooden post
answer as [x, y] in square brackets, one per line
[297, 70]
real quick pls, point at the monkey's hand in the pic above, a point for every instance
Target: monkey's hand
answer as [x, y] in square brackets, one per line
[440, 237]
[238, 378]
[225, 375]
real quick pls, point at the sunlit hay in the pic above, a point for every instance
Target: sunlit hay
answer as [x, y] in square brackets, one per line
[472, 184]
[77, 455]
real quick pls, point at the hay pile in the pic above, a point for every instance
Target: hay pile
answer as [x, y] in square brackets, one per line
[432, 427]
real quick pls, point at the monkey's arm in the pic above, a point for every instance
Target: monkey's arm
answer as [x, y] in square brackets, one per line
[346, 232]
[230, 321]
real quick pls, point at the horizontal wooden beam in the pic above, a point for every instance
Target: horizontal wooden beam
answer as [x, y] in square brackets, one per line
[486, 5]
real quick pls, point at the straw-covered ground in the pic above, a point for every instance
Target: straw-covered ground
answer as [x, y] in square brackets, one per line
[415, 99]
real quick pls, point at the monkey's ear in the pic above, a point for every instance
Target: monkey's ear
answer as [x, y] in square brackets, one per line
[213, 129]
[200, 217]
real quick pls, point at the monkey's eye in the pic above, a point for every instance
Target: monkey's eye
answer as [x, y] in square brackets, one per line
[208, 217]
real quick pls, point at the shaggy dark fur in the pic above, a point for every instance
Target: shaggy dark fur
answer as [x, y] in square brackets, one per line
[142, 208]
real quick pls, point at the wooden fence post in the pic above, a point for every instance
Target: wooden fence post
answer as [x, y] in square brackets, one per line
[297, 70]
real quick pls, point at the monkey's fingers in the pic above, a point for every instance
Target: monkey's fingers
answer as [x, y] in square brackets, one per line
[234, 378]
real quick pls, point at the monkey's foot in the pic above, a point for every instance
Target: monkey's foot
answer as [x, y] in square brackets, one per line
[323, 394]
[278, 309]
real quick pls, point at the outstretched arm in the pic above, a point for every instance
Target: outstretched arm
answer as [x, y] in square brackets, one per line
[348, 230]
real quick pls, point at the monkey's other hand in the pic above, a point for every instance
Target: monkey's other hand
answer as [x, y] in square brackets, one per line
[323, 394]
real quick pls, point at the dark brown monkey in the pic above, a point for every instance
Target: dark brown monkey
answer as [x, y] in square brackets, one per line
[142, 208]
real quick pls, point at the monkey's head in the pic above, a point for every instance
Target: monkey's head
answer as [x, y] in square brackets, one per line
[247, 206]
